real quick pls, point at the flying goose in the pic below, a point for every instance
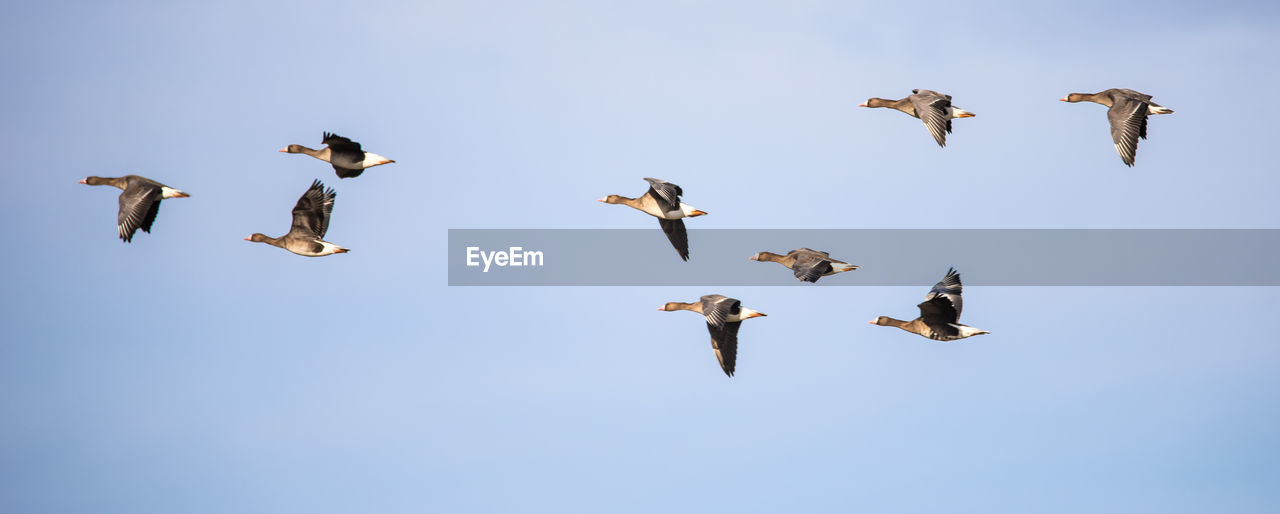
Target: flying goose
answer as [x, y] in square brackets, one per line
[345, 155]
[310, 222]
[724, 316]
[932, 107]
[663, 202]
[808, 265]
[139, 201]
[1127, 114]
[939, 313]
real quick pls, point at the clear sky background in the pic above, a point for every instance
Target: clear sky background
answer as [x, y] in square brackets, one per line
[192, 371]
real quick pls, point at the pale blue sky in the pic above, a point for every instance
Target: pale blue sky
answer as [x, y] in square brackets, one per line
[191, 371]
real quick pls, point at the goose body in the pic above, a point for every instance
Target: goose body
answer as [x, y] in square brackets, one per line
[931, 107]
[1127, 112]
[662, 201]
[939, 313]
[139, 201]
[724, 317]
[349, 160]
[807, 265]
[310, 223]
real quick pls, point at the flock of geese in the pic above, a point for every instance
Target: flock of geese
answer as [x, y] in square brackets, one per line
[140, 199]
[939, 313]
[1127, 113]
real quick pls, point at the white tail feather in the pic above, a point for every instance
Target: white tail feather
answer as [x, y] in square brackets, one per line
[373, 159]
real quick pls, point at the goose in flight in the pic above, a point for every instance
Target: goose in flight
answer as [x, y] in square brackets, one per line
[346, 156]
[139, 201]
[932, 107]
[724, 316]
[662, 201]
[310, 222]
[939, 313]
[807, 265]
[1127, 113]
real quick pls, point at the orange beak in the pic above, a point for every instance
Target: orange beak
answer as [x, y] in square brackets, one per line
[696, 213]
[1063, 99]
[966, 115]
[182, 195]
[83, 181]
[863, 104]
[286, 150]
[248, 239]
